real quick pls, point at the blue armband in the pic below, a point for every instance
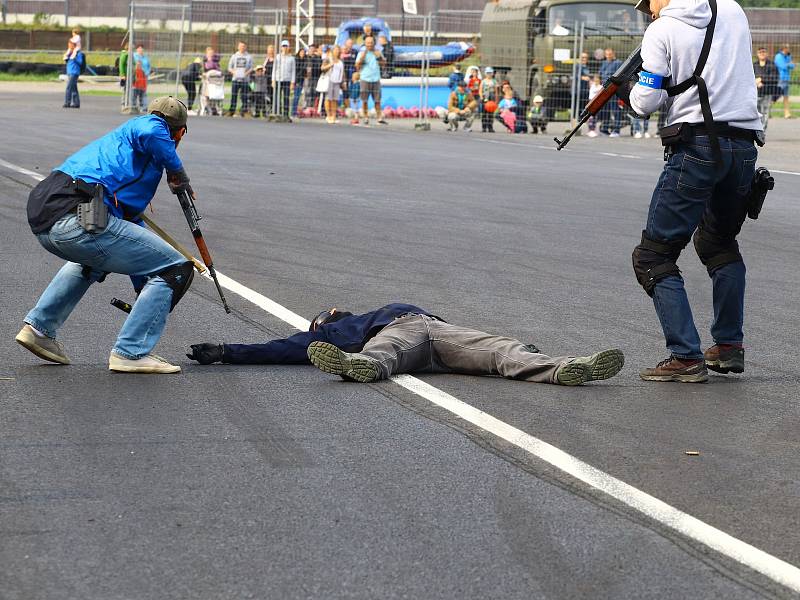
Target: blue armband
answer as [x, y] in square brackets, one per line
[651, 80]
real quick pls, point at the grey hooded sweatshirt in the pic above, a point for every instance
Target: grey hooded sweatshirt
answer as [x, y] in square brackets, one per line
[671, 47]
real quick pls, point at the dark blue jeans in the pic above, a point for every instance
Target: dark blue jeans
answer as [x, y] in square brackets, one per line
[693, 188]
[239, 87]
[71, 97]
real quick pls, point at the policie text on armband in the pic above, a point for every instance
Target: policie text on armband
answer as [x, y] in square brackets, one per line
[651, 80]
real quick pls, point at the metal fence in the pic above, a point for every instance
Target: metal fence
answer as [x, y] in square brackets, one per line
[556, 58]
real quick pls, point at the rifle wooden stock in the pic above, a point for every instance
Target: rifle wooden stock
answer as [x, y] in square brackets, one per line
[152, 225]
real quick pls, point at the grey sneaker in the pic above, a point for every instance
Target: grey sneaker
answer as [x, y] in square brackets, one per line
[147, 364]
[43, 347]
[356, 367]
[601, 365]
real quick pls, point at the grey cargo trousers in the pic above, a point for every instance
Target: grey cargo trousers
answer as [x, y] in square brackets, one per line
[422, 344]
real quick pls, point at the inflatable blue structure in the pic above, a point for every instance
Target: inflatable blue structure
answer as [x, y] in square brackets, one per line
[406, 56]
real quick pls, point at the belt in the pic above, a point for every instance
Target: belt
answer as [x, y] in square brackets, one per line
[725, 130]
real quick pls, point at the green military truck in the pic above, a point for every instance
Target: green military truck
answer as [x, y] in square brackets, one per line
[534, 43]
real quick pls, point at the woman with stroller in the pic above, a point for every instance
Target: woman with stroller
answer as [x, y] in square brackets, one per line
[189, 79]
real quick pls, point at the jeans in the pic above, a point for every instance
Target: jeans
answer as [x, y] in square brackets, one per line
[71, 97]
[284, 89]
[422, 344]
[122, 247]
[691, 190]
[191, 91]
[639, 126]
[610, 118]
[298, 90]
[139, 98]
[238, 87]
[764, 106]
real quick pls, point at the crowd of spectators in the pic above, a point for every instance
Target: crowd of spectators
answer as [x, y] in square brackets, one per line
[327, 80]
[319, 80]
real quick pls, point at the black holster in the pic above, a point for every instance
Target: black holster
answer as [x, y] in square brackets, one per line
[763, 182]
[93, 212]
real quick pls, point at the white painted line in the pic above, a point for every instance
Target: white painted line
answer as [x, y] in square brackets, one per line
[783, 172]
[18, 169]
[776, 569]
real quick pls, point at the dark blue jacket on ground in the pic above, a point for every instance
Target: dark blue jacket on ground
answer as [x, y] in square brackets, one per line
[350, 334]
[128, 162]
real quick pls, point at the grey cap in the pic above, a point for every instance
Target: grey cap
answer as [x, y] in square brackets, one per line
[174, 110]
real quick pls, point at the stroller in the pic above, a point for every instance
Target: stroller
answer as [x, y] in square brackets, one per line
[212, 93]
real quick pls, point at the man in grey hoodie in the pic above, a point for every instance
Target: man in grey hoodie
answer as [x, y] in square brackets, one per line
[283, 75]
[240, 66]
[701, 191]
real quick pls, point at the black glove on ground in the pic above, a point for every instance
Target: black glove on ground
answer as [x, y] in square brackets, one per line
[206, 354]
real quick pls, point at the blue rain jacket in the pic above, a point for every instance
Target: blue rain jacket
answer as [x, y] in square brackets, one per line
[128, 162]
[349, 334]
[74, 64]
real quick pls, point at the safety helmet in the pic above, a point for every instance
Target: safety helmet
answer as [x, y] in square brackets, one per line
[327, 316]
[172, 109]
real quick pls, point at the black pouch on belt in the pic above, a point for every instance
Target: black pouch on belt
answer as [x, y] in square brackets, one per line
[675, 134]
[92, 213]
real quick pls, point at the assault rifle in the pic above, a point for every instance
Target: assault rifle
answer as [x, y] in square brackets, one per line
[192, 217]
[627, 71]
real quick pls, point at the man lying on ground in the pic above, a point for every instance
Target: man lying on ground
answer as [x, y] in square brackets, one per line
[402, 338]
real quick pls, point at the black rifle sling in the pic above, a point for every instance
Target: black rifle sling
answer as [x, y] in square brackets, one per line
[702, 89]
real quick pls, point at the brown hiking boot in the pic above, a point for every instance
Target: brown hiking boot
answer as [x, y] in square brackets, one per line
[685, 370]
[725, 358]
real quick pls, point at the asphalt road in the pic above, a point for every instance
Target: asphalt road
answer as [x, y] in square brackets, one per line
[283, 482]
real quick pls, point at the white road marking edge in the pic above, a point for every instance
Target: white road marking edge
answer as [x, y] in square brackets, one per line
[776, 569]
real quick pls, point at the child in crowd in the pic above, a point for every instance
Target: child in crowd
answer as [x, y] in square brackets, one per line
[488, 91]
[595, 88]
[473, 78]
[507, 110]
[75, 40]
[141, 72]
[354, 95]
[455, 78]
[537, 115]
[260, 86]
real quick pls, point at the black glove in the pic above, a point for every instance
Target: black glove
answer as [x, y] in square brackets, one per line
[206, 354]
[179, 182]
[624, 94]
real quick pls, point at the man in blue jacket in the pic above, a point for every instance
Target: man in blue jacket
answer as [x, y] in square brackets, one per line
[783, 61]
[403, 338]
[87, 212]
[75, 62]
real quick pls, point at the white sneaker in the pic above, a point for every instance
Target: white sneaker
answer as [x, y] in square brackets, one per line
[592, 134]
[467, 129]
[637, 135]
[147, 364]
[44, 347]
[613, 134]
[647, 135]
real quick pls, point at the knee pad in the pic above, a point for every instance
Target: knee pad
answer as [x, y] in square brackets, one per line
[179, 278]
[715, 251]
[654, 260]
